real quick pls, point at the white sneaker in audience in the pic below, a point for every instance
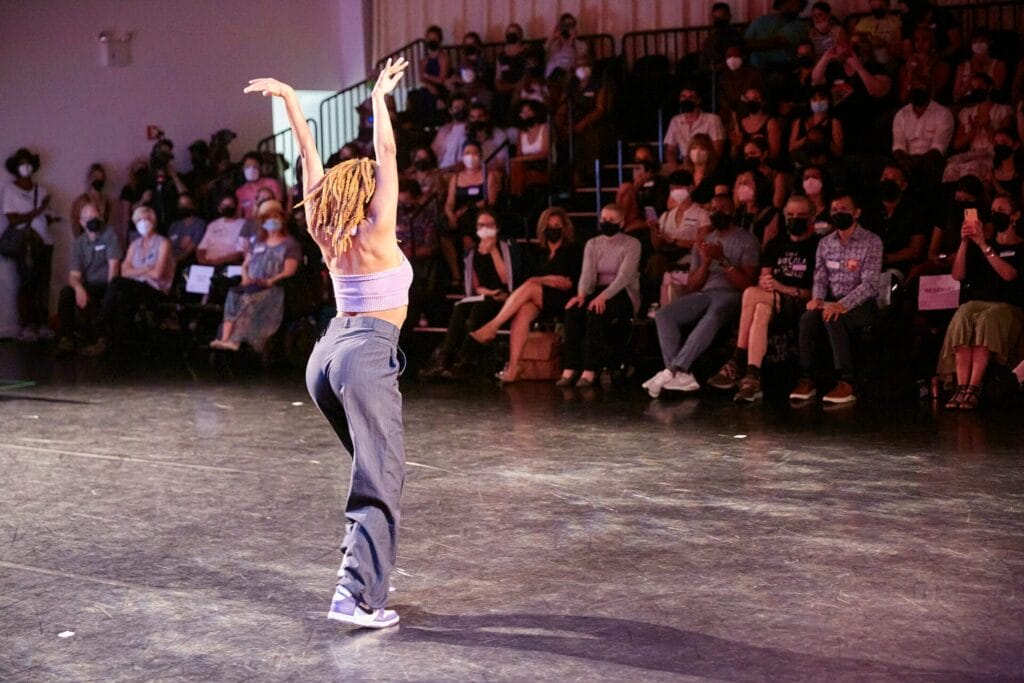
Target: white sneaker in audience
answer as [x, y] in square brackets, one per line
[654, 384]
[682, 381]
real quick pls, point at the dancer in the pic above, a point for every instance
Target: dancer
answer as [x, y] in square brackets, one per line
[353, 371]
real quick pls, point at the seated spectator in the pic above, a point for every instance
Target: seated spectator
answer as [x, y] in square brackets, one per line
[782, 293]
[816, 188]
[846, 274]
[428, 101]
[723, 36]
[925, 14]
[96, 179]
[924, 65]
[254, 182]
[137, 191]
[707, 168]
[752, 120]
[752, 195]
[882, 27]
[448, 140]
[556, 270]
[921, 133]
[224, 241]
[146, 276]
[734, 80]
[1008, 164]
[755, 159]
[533, 86]
[472, 187]
[969, 193]
[493, 143]
[724, 264]
[95, 262]
[510, 68]
[564, 49]
[198, 179]
[426, 174]
[682, 226]
[471, 77]
[820, 135]
[489, 274]
[798, 85]
[977, 124]
[187, 232]
[254, 310]
[825, 30]
[347, 152]
[530, 166]
[416, 228]
[772, 38]
[582, 117]
[688, 122]
[899, 220]
[608, 291]
[644, 198]
[167, 184]
[989, 323]
[980, 62]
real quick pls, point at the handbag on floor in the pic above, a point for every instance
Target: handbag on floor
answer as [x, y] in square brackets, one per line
[542, 356]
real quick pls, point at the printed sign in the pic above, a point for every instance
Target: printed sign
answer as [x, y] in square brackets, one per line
[938, 293]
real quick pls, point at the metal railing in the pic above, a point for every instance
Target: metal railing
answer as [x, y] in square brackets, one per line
[283, 143]
[339, 119]
[1006, 15]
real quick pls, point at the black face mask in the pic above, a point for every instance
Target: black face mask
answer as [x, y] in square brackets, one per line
[976, 97]
[751, 163]
[890, 190]
[790, 16]
[687, 106]
[433, 45]
[1001, 221]
[471, 51]
[797, 226]
[98, 184]
[421, 164]
[565, 34]
[720, 23]
[460, 115]
[227, 211]
[842, 221]
[919, 97]
[527, 123]
[720, 220]
[186, 212]
[805, 62]
[1002, 153]
[95, 225]
[512, 38]
[879, 13]
[608, 228]
[552, 235]
[752, 107]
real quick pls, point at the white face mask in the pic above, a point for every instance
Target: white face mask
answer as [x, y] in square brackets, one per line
[733, 63]
[979, 48]
[812, 186]
[25, 170]
[272, 225]
[744, 193]
[467, 75]
[144, 226]
[679, 195]
[470, 161]
[486, 233]
[819, 106]
[251, 173]
[582, 73]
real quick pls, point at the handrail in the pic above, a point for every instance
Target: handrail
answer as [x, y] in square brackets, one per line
[338, 117]
[283, 142]
[672, 43]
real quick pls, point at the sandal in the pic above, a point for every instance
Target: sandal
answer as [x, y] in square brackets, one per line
[972, 397]
[509, 375]
[957, 399]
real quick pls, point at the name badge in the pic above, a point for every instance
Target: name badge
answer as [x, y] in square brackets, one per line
[100, 247]
[852, 265]
[832, 265]
[1006, 254]
[260, 249]
[473, 191]
[589, 94]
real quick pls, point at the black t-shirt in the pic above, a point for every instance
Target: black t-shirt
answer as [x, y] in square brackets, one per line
[653, 193]
[792, 263]
[511, 68]
[486, 273]
[983, 283]
[907, 220]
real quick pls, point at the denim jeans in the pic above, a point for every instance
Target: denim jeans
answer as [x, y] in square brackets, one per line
[352, 376]
[838, 336]
[711, 310]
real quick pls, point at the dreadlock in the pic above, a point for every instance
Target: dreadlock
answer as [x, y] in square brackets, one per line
[338, 204]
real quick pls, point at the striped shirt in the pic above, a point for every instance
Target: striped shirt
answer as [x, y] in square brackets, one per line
[848, 273]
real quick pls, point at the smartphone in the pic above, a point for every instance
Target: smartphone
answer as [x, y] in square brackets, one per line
[970, 215]
[650, 214]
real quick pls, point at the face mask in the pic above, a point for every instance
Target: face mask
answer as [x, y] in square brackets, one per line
[720, 220]
[751, 163]
[471, 51]
[687, 106]
[94, 225]
[699, 156]
[812, 185]
[733, 63]
[882, 56]
[98, 184]
[752, 107]
[842, 221]
[467, 75]
[566, 32]
[819, 106]
[144, 226]
[976, 97]
[790, 15]
[486, 233]
[272, 224]
[744, 194]
[608, 228]
[186, 212]
[1000, 221]
[582, 73]
[432, 45]
[552, 235]
[679, 195]
[422, 164]
[1002, 153]
[251, 173]
[512, 38]
[879, 13]
[227, 211]
[919, 97]
[805, 62]
[460, 115]
[890, 190]
[527, 123]
[25, 170]
[797, 226]
[470, 161]
[721, 22]
[979, 48]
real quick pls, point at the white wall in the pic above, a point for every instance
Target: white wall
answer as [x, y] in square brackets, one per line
[190, 61]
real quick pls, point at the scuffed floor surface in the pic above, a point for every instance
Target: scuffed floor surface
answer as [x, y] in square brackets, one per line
[184, 529]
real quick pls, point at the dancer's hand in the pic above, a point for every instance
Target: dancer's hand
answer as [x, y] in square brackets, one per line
[269, 87]
[390, 75]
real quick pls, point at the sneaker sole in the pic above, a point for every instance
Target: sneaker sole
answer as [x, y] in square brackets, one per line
[362, 622]
[723, 387]
[802, 397]
[839, 401]
[751, 399]
[688, 389]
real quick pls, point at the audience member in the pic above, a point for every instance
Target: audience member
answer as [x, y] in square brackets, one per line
[707, 167]
[254, 183]
[814, 183]
[924, 66]
[825, 30]
[722, 37]
[582, 116]
[416, 228]
[899, 220]
[471, 77]
[96, 179]
[921, 133]
[1008, 164]
[644, 198]
[679, 228]
[425, 172]
[688, 122]
[925, 14]
[186, 233]
[224, 241]
[734, 80]
[450, 137]
[881, 27]
[510, 68]
[969, 193]
[564, 49]
[167, 184]
[530, 167]
[493, 142]
[752, 120]
[755, 159]
[980, 62]
[755, 213]
[818, 136]
[427, 101]
[772, 38]
[471, 188]
[974, 139]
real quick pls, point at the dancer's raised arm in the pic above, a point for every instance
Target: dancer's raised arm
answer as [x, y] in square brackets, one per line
[384, 204]
[312, 166]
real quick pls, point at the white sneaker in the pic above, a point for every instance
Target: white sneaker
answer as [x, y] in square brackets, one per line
[346, 609]
[654, 384]
[682, 381]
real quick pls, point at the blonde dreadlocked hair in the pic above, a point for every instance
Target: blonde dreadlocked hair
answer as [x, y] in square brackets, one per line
[338, 204]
